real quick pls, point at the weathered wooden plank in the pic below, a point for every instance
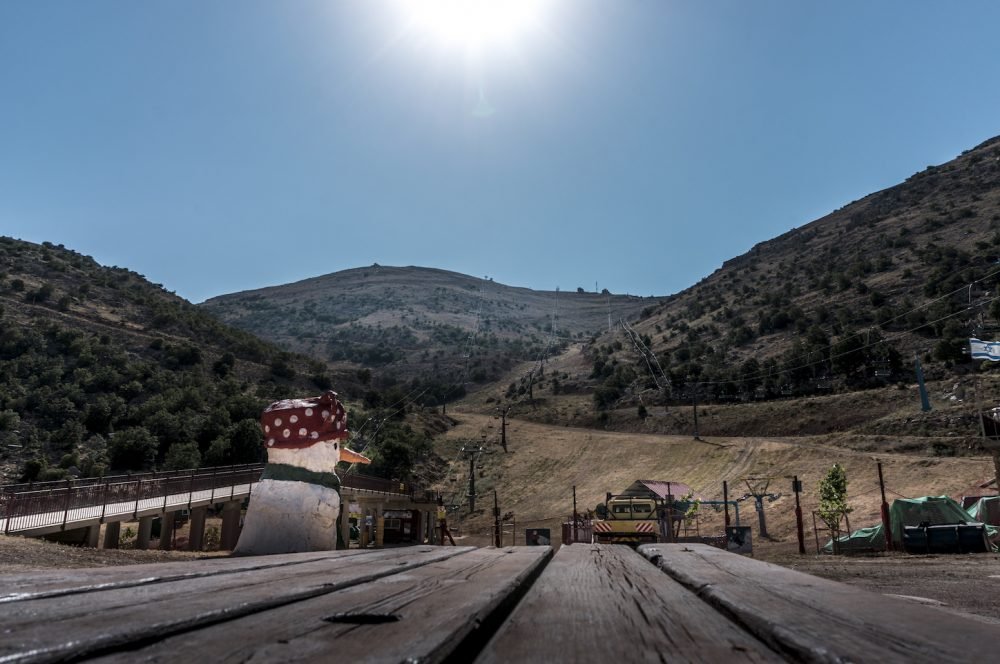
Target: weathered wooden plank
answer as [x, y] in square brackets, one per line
[54, 582]
[817, 620]
[94, 622]
[446, 609]
[605, 603]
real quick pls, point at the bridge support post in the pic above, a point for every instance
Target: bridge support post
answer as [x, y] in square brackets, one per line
[167, 530]
[112, 533]
[379, 526]
[230, 525]
[145, 528]
[92, 537]
[196, 540]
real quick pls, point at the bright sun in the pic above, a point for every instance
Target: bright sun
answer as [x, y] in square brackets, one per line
[474, 23]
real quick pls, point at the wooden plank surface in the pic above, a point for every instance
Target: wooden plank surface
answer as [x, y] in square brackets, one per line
[98, 620]
[443, 610]
[816, 620]
[606, 603]
[55, 582]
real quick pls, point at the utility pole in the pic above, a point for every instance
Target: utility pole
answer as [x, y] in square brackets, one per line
[472, 452]
[574, 515]
[472, 484]
[886, 520]
[694, 398]
[502, 414]
[725, 499]
[797, 488]
[496, 521]
[925, 404]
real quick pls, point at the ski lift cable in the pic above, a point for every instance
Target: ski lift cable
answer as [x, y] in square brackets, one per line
[885, 340]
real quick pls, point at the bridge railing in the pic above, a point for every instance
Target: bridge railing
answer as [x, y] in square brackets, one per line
[38, 504]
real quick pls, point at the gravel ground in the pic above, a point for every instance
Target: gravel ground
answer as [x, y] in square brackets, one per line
[21, 554]
[968, 584]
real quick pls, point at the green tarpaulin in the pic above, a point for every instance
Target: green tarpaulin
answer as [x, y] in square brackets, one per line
[935, 510]
[986, 510]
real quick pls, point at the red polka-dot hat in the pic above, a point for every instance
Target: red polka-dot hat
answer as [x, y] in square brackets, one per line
[296, 423]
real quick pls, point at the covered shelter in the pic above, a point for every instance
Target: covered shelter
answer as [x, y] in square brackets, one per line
[661, 490]
[927, 510]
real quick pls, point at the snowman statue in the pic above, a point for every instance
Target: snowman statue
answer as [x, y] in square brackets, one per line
[295, 505]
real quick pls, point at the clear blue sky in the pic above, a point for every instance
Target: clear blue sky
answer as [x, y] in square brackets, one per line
[228, 145]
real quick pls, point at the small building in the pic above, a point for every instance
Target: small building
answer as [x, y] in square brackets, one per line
[402, 526]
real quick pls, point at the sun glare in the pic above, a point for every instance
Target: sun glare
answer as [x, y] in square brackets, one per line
[474, 23]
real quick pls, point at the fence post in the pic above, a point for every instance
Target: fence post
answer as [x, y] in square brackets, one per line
[138, 492]
[9, 512]
[69, 490]
[104, 501]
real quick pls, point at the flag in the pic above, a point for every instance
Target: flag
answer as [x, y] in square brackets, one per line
[985, 350]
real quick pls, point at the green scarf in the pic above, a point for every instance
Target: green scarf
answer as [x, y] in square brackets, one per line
[287, 473]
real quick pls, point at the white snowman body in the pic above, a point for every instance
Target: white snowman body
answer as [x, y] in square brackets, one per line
[295, 505]
[290, 516]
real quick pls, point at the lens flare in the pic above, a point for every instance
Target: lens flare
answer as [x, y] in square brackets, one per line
[474, 23]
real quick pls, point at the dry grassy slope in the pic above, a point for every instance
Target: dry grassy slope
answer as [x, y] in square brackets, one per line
[535, 479]
[421, 314]
[414, 295]
[887, 418]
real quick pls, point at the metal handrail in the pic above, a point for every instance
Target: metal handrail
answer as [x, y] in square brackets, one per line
[19, 501]
[127, 477]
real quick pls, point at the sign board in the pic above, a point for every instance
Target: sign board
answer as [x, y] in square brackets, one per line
[738, 539]
[537, 537]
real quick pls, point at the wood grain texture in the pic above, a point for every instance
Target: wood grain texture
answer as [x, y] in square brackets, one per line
[54, 582]
[816, 620]
[443, 610]
[68, 626]
[605, 603]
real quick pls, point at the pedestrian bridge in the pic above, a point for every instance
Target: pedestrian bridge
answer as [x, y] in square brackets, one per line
[82, 506]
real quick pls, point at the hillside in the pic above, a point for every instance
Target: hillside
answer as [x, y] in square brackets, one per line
[101, 369]
[535, 479]
[412, 322]
[842, 303]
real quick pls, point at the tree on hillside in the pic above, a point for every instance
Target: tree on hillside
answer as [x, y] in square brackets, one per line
[182, 456]
[833, 501]
[133, 449]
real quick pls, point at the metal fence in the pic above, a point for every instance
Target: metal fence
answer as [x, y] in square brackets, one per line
[41, 504]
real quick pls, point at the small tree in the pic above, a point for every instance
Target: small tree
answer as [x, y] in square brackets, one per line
[833, 501]
[133, 449]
